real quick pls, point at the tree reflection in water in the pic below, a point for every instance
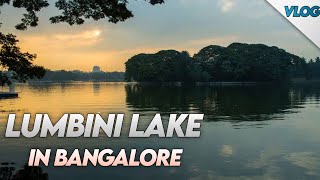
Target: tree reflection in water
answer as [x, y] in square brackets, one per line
[8, 172]
[256, 103]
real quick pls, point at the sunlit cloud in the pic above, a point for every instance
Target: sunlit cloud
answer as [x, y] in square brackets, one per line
[86, 35]
[56, 42]
[226, 5]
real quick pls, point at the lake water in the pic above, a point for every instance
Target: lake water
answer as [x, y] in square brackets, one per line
[249, 132]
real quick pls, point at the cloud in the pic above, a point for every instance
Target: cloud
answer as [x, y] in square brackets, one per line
[226, 5]
[85, 38]
[61, 41]
[85, 35]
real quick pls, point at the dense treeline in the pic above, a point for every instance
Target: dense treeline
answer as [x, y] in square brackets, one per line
[314, 68]
[83, 76]
[237, 62]
[163, 66]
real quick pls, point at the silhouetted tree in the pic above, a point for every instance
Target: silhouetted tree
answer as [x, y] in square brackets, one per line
[314, 68]
[74, 11]
[246, 62]
[300, 69]
[18, 65]
[164, 66]
[7, 172]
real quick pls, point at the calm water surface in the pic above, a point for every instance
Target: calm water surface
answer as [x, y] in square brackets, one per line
[252, 132]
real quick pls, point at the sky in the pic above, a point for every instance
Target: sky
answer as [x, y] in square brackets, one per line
[178, 24]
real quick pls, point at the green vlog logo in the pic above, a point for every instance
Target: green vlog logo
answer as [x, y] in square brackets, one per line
[304, 11]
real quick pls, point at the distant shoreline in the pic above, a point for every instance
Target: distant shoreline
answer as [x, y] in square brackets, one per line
[215, 83]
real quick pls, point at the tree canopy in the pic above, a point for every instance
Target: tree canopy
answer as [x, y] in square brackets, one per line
[74, 11]
[169, 65]
[17, 64]
[237, 62]
[246, 62]
[314, 68]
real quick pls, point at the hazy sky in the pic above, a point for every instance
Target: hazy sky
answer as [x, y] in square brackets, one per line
[178, 24]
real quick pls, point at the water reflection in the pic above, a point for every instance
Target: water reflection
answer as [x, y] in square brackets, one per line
[237, 103]
[231, 146]
[96, 88]
[8, 172]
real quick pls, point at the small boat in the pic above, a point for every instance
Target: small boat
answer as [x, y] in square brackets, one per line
[10, 94]
[4, 95]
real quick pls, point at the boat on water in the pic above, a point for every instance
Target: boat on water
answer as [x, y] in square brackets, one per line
[10, 94]
[4, 95]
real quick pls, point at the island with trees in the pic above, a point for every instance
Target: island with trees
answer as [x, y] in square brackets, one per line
[238, 62]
